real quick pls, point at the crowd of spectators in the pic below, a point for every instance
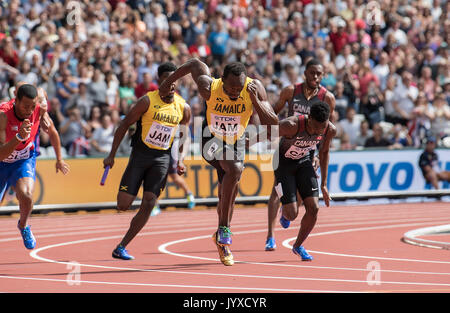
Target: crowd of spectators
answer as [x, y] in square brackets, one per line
[387, 62]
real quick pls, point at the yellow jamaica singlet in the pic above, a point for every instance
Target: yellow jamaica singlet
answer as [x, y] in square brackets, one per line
[227, 119]
[160, 122]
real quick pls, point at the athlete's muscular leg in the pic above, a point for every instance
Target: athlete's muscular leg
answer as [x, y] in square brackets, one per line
[273, 205]
[219, 196]
[309, 219]
[233, 203]
[141, 217]
[24, 193]
[124, 200]
[290, 211]
[180, 182]
[220, 205]
[228, 189]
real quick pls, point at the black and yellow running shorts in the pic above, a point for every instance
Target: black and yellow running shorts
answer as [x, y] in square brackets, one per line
[149, 168]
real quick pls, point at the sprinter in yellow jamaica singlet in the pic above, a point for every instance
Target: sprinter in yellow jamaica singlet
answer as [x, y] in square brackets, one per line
[231, 102]
[157, 118]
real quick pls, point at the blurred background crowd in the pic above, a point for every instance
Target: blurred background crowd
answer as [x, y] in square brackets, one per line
[387, 62]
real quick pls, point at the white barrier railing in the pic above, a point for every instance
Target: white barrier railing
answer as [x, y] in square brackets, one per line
[411, 237]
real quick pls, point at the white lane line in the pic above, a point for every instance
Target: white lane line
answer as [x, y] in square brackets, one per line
[163, 247]
[98, 221]
[289, 246]
[34, 254]
[63, 232]
[177, 286]
[122, 230]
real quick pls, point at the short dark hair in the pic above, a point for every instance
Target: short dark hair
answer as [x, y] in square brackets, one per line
[320, 111]
[26, 90]
[312, 62]
[166, 67]
[235, 68]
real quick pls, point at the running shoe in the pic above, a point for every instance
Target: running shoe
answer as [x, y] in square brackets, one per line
[224, 235]
[301, 252]
[284, 222]
[156, 210]
[226, 257]
[270, 244]
[28, 239]
[191, 201]
[121, 253]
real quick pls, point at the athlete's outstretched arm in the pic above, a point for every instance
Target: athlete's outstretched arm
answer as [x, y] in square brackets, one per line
[285, 95]
[262, 106]
[324, 156]
[184, 139]
[331, 100]
[132, 117]
[55, 141]
[200, 74]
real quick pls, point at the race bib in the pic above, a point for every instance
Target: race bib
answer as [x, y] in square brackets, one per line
[225, 126]
[17, 155]
[160, 135]
[297, 152]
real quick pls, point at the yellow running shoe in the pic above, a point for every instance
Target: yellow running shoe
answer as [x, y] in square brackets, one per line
[226, 257]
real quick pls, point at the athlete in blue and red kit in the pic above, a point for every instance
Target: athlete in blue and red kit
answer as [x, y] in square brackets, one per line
[19, 128]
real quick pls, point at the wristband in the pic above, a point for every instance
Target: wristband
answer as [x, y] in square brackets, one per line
[20, 138]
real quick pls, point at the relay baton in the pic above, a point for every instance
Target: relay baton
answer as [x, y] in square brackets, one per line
[105, 174]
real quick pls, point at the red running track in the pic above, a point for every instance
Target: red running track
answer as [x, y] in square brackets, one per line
[356, 249]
